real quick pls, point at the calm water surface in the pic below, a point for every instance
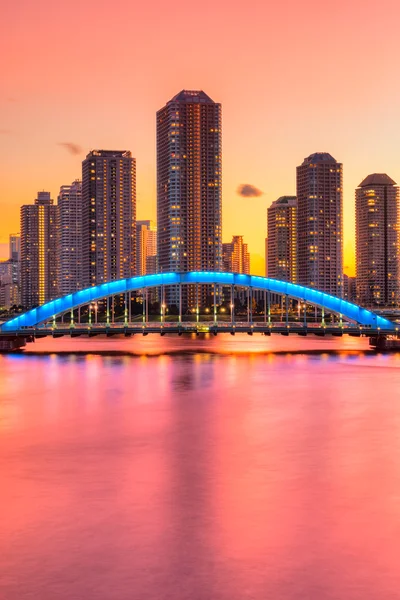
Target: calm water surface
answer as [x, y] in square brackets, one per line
[228, 472]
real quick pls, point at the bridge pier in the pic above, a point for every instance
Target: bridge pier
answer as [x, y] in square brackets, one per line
[384, 342]
[11, 343]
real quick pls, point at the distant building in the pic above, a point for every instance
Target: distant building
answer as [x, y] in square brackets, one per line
[39, 251]
[108, 216]
[9, 284]
[70, 238]
[319, 223]
[282, 239]
[266, 257]
[15, 247]
[189, 200]
[378, 241]
[15, 263]
[349, 288]
[235, 256]
[146, 247]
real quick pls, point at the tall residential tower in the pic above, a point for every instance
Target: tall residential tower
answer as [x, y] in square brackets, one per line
[39, 251]
[235, 256]
[282, 239]
[320, 223]
[70, 238]
[108, 216]
[146, 247]
[189, 177]
[378, 241]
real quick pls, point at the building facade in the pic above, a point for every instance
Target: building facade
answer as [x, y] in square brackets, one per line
[15, 247]
[39, 251]
[320, 223]
[349, 288]
[282, 239]
[15, 266]
[146, 247]
[378, 241]
[235, 256]
[108, 216]
[189, 202]
[69, 244]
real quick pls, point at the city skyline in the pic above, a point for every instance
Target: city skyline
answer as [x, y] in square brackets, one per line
[269, 110]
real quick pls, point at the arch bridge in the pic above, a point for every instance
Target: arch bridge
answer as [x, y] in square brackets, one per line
[331, 315]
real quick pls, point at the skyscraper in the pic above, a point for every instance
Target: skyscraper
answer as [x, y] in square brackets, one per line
[70, 238]
[319, 223]
[10, 275]
[39, 251]
[146, 247]
[282, 239]
[108, 216]
[15, 247]
[189, 219]
[15, 265]
[235, 256]
[378, 241]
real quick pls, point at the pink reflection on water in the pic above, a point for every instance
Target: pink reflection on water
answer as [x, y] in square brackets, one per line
[223, 472]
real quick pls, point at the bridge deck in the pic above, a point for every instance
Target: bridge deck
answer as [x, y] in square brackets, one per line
[189, 328]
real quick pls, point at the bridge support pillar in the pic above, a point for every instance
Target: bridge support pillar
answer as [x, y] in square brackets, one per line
[265, 306]
[287, 309]
[197, 302]
[232, 304]
[180, 303]
[269, 307]
[215, 304]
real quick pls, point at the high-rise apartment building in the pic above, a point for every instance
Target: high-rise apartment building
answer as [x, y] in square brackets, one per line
[349, 288]
[108, 216]
[39, 251]
[320, 223]
[10, 271]
[70, 238]
[15, 247]
[235, 256]
[146, 247]
[15, 266]
[378, 241]
[189, 178]
[282, 239]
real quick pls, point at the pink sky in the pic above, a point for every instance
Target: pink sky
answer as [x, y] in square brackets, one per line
[293, 78]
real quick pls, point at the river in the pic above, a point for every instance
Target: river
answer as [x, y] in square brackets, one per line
[230, 468]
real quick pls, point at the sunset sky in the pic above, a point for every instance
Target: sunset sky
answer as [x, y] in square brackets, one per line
[293, 78]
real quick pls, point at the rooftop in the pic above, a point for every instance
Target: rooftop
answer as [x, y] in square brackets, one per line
[110, 153]
[286, 200]
[318, 157]
[377, 179]
[190, 96]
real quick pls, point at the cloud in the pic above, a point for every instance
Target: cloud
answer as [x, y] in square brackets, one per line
[249, 191]
[72, 148]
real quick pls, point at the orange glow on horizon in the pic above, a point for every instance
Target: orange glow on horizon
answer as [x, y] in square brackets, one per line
[292, 80]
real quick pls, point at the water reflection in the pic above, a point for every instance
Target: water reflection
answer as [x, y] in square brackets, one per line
[225, 472]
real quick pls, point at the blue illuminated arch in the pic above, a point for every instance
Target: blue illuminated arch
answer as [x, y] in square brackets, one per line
[45, 312]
